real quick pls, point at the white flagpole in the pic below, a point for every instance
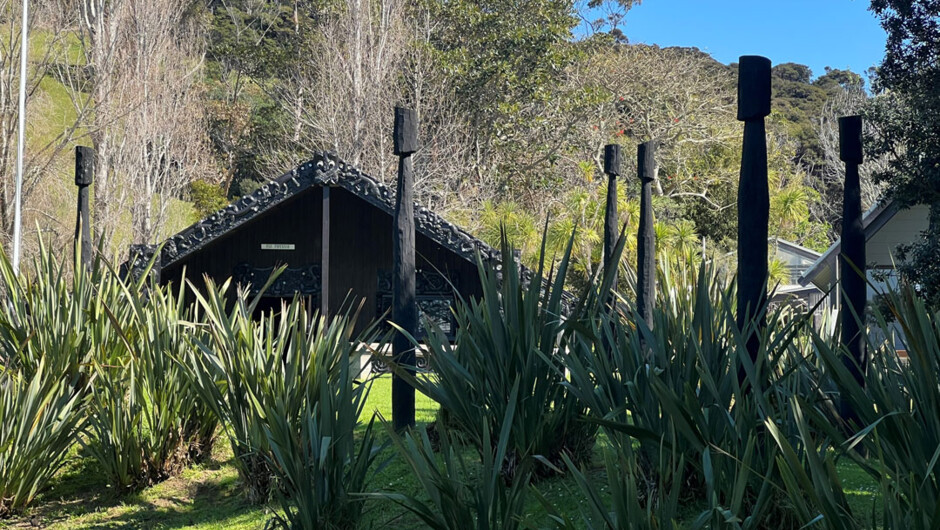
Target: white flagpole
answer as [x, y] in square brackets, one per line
[17, 216]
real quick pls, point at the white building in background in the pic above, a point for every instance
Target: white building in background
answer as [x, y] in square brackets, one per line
[886, 226]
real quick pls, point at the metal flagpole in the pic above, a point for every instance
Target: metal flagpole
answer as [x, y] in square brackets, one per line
[17, 215]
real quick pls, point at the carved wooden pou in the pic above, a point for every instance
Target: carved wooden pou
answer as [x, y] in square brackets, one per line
[404, 304]
[84, 176]
[646, 234]
[753, 198]
[852, 281]
[612, 169]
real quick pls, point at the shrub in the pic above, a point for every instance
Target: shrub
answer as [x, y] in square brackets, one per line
[454, 498]
[634, 498]
[45, 317]
[320, 466]
[289, 403]
[145, 421]
[896, 439]
[689, 383]
[515, 334]
[40, 414]
[44, 346]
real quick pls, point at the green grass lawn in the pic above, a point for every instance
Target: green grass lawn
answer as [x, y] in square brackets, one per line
[208, 496]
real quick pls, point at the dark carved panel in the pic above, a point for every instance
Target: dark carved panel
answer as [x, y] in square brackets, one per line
[303, 280]
[434, 295]
[426, 282]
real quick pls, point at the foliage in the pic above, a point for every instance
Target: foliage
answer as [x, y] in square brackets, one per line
[897, 437]
[636, 498]
[711, 402]
[907, 119]
[43, 379]
[40, 414]
[207, 198]
[501, 56]
[800, 101]
[457, 499]
[250, 46]
[284, 390]
[918, 266]
[145, 421]
[322, 458]
[512, 336]
[45, 318]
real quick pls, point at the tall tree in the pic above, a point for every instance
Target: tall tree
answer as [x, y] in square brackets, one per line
[829, 178]
[143, 64]
[506, 59]
[349, 78]
[253, 45]
[46, 139]
[908, 117]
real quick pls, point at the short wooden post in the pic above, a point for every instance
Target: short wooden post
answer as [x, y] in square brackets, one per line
[852, 280]
[404, 305]
[753, 198]
[612, 169]
[84, 176]
[646, 234]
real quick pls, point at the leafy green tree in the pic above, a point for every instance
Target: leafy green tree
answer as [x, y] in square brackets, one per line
[908, 117]
[800, 101]
[250, 43]
[207, 198]
[505, 60]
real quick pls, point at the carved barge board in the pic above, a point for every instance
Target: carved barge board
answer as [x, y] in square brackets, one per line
[325, 169]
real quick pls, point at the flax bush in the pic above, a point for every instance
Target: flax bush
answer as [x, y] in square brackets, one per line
[462, 493]
[290, 404]
[40, 414]
[45, 316]
[896, 438]
[141, 421]
[515, 334]
[688, 387]
[44, 351]
[145, 420]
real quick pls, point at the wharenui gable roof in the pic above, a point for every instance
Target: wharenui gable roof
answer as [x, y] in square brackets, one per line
[325, 169]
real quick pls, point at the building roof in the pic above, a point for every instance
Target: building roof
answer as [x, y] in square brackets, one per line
[793, 248]
[324, 169]
[823, 272]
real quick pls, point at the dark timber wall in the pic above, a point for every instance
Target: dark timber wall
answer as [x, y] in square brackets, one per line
[360, 249]
[297, 221]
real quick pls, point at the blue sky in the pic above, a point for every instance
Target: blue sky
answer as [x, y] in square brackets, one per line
[817, 33]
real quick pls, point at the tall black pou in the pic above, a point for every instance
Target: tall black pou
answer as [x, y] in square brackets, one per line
[404, 304]
[646, 234]
[612, 169]
[852, 280]
[753, 198]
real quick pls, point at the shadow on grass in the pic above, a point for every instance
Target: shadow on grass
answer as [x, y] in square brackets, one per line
[207, 495]
[199, 504]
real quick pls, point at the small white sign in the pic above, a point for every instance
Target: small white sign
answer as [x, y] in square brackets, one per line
[277, 246]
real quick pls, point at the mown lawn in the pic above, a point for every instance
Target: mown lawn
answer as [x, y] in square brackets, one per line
[208, 496]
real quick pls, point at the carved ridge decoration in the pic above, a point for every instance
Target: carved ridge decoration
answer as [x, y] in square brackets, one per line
[136, 264]
[325, 169]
